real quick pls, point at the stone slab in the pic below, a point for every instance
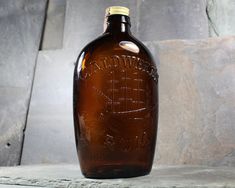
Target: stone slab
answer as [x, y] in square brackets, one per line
[69, 176]
[197, 101]
[172, 19]
[49, 137]
[16, 186]
[221, 14]
[21, 24]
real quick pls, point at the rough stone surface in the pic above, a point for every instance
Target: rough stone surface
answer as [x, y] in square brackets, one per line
[69, 176]
[20, 30]
[197, 101]
[172, 19]
[16, 186]
[49, 136]
[221, 17]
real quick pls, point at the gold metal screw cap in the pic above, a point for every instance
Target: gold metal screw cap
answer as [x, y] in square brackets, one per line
[117, 10]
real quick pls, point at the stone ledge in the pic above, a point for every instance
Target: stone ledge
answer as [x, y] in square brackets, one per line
[69, 176]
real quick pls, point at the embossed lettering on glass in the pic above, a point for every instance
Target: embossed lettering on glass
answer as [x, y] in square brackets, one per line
[115, 102]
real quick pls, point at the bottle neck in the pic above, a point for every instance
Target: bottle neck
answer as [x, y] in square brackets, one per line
[118, 24]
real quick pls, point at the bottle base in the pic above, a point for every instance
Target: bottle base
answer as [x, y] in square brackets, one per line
[115, 171]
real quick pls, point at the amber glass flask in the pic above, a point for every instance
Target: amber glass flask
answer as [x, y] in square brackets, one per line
[115, 100]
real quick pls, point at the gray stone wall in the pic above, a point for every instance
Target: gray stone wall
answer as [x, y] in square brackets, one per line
[221, 17]
[21, 23]
[197, 109]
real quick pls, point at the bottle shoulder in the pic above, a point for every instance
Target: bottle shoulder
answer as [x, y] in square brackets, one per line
[143, 48]
[120, 53]
[109, 45]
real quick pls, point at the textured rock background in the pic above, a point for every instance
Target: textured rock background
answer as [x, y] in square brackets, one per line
[221, 17]
[21, 24]
[172, 19]
[196, 124]
[197, 101]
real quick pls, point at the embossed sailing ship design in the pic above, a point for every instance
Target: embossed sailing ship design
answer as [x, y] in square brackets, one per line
[128, 94]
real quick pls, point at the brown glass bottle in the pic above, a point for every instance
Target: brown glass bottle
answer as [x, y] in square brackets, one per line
[115, 104]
